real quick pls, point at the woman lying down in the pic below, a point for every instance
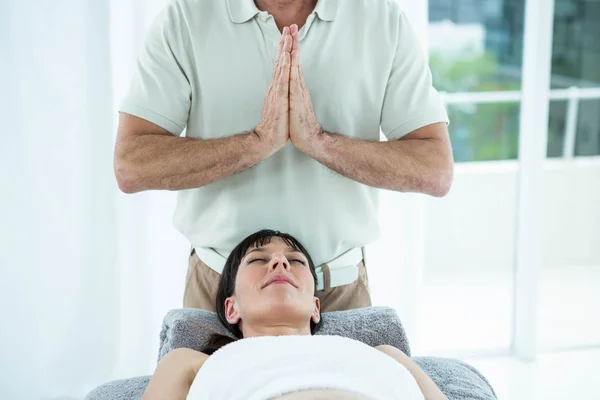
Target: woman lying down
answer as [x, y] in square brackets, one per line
[266, 297]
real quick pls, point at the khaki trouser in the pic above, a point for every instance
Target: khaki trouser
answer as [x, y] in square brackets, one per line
[202, 282]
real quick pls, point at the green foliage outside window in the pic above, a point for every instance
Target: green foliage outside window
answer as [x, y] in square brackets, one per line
[479, 132]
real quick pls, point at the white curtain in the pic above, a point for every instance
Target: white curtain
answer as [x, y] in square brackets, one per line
[87, 273]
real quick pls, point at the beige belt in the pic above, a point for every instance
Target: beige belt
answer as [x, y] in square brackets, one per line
[343, 269]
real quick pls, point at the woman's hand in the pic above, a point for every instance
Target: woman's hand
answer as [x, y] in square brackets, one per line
[174, 375]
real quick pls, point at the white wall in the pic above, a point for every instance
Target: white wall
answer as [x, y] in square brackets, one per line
[473, 227]
[418, 15]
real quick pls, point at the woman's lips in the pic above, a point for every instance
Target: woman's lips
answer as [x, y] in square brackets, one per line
[279, 283]
[280, 279]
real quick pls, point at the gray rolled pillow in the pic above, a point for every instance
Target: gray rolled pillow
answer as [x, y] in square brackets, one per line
[456, 379]
[194, 329]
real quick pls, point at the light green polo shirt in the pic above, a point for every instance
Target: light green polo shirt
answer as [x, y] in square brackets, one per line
[205, 67]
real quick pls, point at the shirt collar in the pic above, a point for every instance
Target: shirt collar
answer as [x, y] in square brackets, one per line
[241, 11]
[327, 9]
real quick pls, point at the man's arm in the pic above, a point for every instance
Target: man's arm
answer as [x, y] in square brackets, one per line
[419, 162]
[428, 387]
[149, 157]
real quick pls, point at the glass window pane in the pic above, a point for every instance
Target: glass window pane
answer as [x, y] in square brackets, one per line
[467, 291]
[486, 45]
[568, 298]
[587, 141]
[557, 117]
[484, 132]
[576, 48]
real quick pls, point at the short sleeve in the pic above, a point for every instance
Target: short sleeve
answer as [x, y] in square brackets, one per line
[160, 90]
[411, 102]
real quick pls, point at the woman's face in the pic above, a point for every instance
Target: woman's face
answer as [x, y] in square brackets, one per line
[274, 286]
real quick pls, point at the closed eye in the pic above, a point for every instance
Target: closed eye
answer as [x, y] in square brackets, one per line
[260, 259]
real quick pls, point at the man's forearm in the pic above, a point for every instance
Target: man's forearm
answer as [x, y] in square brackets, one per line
[150, 161]
[412, 165]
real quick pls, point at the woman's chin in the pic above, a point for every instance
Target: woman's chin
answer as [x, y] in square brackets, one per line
[283, 300]
[277, 296]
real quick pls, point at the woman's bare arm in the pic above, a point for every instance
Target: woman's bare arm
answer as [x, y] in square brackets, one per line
[427, 386]
[174, 375]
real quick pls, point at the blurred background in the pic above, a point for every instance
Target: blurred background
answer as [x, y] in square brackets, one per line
[504, 272]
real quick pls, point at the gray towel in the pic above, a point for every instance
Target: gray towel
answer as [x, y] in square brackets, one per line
[125, 389]
[374, 326]
[193, 328]
[456, 379]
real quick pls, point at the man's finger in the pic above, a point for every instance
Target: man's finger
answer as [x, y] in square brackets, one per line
[284, 33]
[285, 49]
[295, 37]
[287, 43]
[295, 41]
[284, 77]
[277, 65]
[295, 86]
[295, 72]
[282, 41]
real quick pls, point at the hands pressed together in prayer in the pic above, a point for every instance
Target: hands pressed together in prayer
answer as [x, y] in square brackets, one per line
[421, 161]
[288, 111]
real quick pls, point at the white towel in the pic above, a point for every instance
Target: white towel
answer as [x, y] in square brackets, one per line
[263, 368]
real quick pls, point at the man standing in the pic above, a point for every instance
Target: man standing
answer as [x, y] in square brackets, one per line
[304, 159]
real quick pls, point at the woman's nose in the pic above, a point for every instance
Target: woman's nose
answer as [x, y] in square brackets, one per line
[279, 261]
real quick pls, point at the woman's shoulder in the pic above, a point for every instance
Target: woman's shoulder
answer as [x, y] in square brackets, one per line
[183, 353]
[186, 360]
